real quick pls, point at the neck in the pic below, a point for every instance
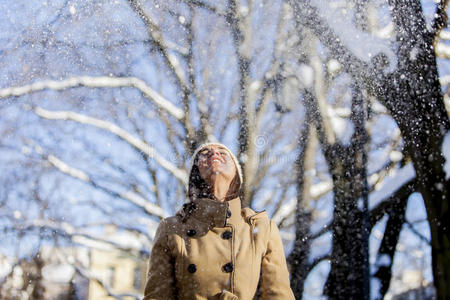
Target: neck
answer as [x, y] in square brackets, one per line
[219, 189]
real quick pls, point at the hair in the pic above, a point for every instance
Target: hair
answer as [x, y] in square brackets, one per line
[198, 188]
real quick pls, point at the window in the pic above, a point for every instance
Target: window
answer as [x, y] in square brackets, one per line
[137, 278]
[110, 274]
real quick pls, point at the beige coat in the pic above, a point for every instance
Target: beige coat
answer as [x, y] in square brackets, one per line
[219, 251]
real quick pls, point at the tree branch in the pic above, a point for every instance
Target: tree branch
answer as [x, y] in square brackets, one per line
[395, 199]
[440, 20]
[121, 133]
[414, 230]
[175, 67]
[72, 233]
[386, 251]
[157, 37]
[203, 5]
[307, 15]
[130, 196]
[316, 261]
[97, 82]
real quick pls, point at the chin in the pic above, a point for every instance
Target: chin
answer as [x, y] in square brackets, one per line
[216, 169]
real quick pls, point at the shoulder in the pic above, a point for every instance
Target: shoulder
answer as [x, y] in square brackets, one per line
[168, 226]
[170, 221]
[169, 232]
[256, 218]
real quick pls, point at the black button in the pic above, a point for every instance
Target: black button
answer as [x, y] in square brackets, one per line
[228, 267]
[228, 213]
[227, 235]
[191, 232]
[192, 268]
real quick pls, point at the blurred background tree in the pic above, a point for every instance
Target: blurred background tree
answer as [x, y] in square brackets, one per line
[334, 109]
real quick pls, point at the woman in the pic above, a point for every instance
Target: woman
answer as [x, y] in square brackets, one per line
[213, 248]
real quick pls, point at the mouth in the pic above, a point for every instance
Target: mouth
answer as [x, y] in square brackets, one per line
[215, 162]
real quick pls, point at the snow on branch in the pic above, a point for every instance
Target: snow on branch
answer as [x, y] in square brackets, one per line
[140, 201]
[444, 80]
[442, 50]
[65, 168]
[131, 196]
[96, 82]
[316, 191]
[137, 143]
[67, 230]
[444, 35]
[320, 189]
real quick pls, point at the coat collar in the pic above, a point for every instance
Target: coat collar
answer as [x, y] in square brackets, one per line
[215, 213]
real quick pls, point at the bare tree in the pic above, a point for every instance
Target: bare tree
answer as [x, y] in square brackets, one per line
[104, 103]
[414, 100]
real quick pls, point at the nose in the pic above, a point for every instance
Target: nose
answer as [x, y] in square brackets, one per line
[215, 154]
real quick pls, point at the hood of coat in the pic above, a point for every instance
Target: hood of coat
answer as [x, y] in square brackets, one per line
[210, 213]
[197, 187]
[215, 214]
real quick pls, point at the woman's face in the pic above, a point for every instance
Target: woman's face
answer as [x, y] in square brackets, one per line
[213, 161]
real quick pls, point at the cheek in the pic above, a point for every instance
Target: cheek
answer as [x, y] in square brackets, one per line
[230, 168]
[202, 168]
[202, 164]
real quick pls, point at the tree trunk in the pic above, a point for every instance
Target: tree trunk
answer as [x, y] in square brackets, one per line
[298, 259]
[349, 269]
[415, 101]
[412, 95]
[346, 278]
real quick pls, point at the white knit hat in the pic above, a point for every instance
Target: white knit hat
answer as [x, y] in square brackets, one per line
[236, 162]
